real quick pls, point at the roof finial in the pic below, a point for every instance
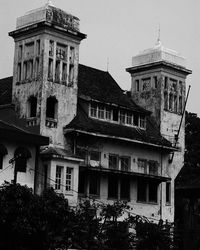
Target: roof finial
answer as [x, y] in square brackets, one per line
[158, 42]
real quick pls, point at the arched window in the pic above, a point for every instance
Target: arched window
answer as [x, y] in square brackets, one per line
[32, 106]
[51, 108]
[21, 155]
[3, 152]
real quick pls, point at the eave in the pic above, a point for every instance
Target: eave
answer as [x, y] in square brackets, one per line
[68, 130]
[133, 174]
[44, 24]
[153, 65]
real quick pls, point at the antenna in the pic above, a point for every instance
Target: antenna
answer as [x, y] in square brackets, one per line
[107, 64]
[158, 42]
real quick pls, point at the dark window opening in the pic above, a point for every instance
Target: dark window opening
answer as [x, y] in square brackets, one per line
[82, 182]
[21, 156]
[50, 69]
[94, 183]
[165, 101]
[153, 192]
[82, 153]
[64, 72]
[115, 115]
[25, 70]
[153, 167]
[19, 72]
[155, 82]
[137, 85]
[166, 83]
[57, 71]
[125, 163]
[71, 73]
[51, 109]
[113, 161]
[95, 156]
[37, 66]
[38, 47]
[142, 191]
[125, 188]
[32, 106]
[113, 187]
[136, 119]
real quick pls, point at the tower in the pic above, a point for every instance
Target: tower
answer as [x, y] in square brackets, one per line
[158, 83]
[45, 69]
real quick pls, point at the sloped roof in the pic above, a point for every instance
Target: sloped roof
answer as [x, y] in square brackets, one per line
[6, 90]
[188, 178]
[15, 133]
[86, 124]
[99, 85]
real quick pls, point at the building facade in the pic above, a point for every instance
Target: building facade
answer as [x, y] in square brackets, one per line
[105, 144]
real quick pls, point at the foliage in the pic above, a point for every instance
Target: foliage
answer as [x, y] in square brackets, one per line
[192, 139]
[29, 221]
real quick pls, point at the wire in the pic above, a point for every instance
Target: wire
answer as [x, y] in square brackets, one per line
[5, 168]
[99, 201]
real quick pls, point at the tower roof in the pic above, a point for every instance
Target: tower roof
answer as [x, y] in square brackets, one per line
[157, 54]
[49, 13]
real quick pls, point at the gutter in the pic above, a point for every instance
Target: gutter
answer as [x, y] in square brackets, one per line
[120, 138]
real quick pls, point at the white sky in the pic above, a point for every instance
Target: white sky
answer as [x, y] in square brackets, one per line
[118, 30]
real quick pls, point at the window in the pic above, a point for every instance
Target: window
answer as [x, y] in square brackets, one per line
[93, 110]
[58, 184]
[165, 101]
[3, 152]
[29, 49]
[82, 182]
[122, 117]
[32, 106]
[19, 72]
[137, 85]
[170, 101]
[71, 55]
[146, 83]
[113, 187]
[125, 188]
[129, 118]
[95, 156]
[68, 183]
[101, 112]
[51, 108]
[51, 48]
[175, 103]
[57, 71]
[142, 121]
[136, 120]
[142, 166]
[155, 80]
[115, 114]
[113, 161]
[125, 163]
[153, 167]
[64, 72]
[61, 52]
[38, 47]
[180, 104]
[108, 113]
[21, 156]
[25, 70]
[71, 73]
[147, 191]
[168, 192]
[94, 184]
[166, 82]
[50, 69]
[37, 66]
[20, 52]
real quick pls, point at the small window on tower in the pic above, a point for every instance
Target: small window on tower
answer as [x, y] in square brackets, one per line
[71, 55]
[155, 79]
[52, 106]
[180, 104]
[38, 47]
[64, 72]
[25, 70]
[137, 85]
[50, 69]
[166, 82]
[37, 66]
[71, 74]
[165, 101]
[32, 106]
[20, 52]
[19, 72]
[57, 71]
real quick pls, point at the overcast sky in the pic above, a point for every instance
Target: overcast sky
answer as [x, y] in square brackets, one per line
[118, 30]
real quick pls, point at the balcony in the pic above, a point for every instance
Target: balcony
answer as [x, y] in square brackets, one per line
[31, 121]
[51, 123]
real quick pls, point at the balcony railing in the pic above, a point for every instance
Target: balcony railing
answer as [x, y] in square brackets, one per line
[31, 121]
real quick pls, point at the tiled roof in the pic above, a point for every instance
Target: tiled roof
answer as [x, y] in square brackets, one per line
[149, 136]
[6, 90]
[99, 85]
[93, 83]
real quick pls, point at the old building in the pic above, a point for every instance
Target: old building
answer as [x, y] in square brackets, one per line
[104, 143]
